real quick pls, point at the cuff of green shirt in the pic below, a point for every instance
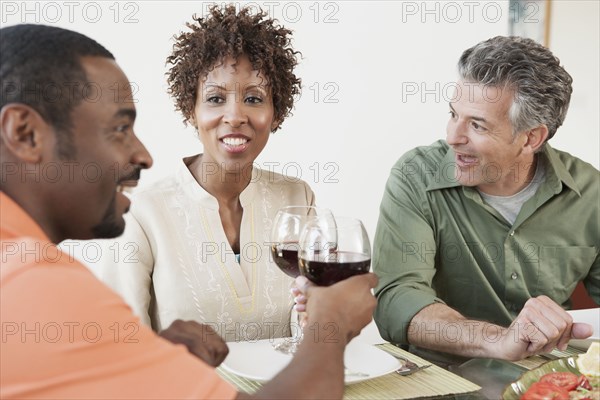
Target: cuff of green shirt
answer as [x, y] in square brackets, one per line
[395, 312]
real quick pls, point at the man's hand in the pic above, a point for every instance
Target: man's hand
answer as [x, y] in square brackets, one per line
[200, 340]
[349, 304]
[540, 327]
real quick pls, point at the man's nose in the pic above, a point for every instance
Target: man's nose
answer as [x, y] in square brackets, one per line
[140, 155]
[455, 133]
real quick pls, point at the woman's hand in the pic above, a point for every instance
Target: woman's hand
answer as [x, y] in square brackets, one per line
[299, 299]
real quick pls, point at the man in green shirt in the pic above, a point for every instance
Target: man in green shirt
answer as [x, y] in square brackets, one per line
[483, 237]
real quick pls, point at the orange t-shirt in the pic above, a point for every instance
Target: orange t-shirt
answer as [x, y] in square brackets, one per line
[67, 335]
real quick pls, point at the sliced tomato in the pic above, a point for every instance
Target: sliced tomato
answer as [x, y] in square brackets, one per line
[566, 380]
[583, 382]
[545, 391]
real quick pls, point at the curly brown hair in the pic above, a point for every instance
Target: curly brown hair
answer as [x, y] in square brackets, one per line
[225, 33]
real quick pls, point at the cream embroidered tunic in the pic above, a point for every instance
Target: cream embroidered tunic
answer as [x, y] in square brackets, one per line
[176, 262]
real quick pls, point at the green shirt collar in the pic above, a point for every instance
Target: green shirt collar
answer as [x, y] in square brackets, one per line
[556, 173]
[445, 176]
[558, 169]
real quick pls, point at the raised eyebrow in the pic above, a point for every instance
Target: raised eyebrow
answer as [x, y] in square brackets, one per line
[473, 117]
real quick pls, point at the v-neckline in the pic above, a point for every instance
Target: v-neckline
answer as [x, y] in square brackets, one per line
[242, 285]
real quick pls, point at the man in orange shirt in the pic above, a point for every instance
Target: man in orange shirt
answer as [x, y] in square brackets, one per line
[68, 149]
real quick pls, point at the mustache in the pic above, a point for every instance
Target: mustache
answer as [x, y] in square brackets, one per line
[134, 175]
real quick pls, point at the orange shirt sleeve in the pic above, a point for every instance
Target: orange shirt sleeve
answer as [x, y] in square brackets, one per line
[67, 335]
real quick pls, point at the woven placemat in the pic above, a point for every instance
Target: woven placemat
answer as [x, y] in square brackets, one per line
[430, 382]
[536, 361]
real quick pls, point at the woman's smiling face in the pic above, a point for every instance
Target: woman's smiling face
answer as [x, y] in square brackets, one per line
[234, 114]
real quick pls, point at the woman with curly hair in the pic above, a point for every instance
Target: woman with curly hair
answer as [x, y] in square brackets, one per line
[201, 237]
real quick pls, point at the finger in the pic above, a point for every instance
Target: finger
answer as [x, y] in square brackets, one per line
[563, 341]
[529, 331]
[203, 353]
[303, 320]
[546, 318]
[300, 307]
[581, 330]
[300, 299]
[222, 354]
[304, 285]
[212, 353]
[555, 312]
[371, 278]
[560, 318]
[295, 291]
[537, 340]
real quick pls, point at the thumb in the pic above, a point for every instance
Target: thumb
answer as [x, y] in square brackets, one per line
[372, 279]
[581, 330]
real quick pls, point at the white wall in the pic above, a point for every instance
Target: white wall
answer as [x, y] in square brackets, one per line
[574, 38]
[370, 53]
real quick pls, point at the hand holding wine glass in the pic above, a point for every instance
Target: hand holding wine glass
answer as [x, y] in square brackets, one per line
[332, 303]
[285, 235]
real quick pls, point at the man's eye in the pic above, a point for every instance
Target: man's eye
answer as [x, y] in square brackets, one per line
[123, 128]
[477, 127]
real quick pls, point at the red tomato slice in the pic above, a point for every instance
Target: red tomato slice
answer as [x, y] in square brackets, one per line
[545, 391]
[583, 382]
[566, 380]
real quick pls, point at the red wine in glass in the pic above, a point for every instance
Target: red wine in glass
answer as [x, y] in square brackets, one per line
[335, 267]
[287, 226]
[285, 255]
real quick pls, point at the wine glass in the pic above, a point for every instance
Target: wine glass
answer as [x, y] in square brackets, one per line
[329, 254]
[285, 235]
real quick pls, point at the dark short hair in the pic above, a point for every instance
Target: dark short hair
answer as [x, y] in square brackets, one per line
[542, 86]
[40, 67]
[224, 33]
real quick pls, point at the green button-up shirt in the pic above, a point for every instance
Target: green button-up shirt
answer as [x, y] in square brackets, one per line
[437, 241]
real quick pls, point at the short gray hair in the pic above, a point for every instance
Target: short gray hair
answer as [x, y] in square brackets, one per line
[542, 87]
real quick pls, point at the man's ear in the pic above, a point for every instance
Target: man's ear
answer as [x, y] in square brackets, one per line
[536, 137]
[22, 131]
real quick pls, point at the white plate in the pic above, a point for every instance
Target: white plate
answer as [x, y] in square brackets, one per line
[260, 362]
[592, 317]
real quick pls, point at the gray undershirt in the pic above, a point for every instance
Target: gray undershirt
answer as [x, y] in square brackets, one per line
[509, 206]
